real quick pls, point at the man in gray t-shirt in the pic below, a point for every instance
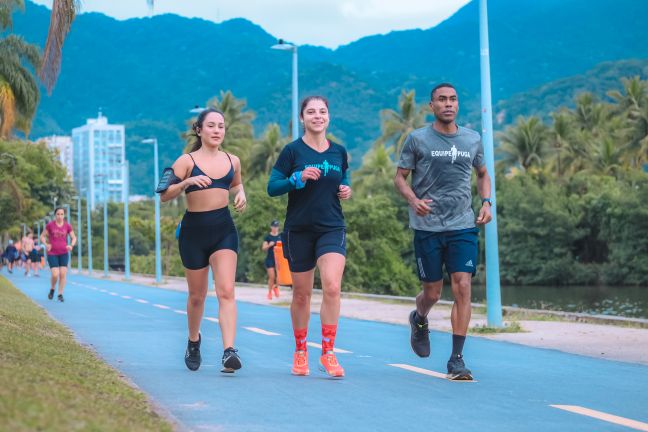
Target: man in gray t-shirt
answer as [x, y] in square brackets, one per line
[441, 158]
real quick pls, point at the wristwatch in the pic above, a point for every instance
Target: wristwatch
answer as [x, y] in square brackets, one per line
[487, 200]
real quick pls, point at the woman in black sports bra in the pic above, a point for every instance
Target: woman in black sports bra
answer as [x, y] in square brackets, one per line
[208, 176]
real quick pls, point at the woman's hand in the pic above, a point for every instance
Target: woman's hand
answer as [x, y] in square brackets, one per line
[240, 202]
[69, 248]
[48, 247]
[344, 192]
[202, 181]
[310, 173]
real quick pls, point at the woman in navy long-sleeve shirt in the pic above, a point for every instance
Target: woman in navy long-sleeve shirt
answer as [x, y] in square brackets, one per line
[313, 172]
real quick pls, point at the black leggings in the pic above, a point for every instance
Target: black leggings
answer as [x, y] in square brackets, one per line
[203, 233]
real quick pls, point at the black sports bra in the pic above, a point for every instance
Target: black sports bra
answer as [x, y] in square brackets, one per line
[221, 183]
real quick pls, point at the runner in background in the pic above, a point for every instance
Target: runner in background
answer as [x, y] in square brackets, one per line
[269, 243]
[54, 237]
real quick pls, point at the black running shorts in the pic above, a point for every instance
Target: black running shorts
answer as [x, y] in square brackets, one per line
[203, 233]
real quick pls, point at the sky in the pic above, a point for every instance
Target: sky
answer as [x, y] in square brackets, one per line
[328, 23]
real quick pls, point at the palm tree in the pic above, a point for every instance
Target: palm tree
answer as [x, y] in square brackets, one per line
[397, 125]
[18, 89]
[525, 144]
[633, 103]
[6, 9]
[590, 114]
[376, 172]
[561, 132]
[635, 92]
[63, 13]
[266, 151]
[607, 157]
[637, 148]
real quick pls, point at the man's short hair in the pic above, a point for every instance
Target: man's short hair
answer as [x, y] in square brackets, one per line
[442, 85]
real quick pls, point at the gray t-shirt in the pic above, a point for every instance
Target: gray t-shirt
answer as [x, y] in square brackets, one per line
[441, 168]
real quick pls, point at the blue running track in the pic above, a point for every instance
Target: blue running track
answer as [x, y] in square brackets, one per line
[142, 332]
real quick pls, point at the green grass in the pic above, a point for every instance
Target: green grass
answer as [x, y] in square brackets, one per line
[512, 327]
[50, 382]
[530, 316]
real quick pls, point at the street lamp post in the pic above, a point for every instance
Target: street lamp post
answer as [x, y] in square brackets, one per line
[89, 224]
[45, 220]
[105, 226]
[158, 257]
[287, 46]
[493, 293]
[79, 255]
[126, 185]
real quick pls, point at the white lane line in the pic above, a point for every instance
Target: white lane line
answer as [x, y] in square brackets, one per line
[103, 290]
[336, 350]
[181, 312]
[610, 418]
[159, 306]
[113, 293]
[140, 301]
[212, 319]
[428, 372]
[127, 297]
[261, 331]
[419, 370]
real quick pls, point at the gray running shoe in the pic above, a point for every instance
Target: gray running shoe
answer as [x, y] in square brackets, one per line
[192, 355]
[420, 337]
[457, 369]
[231, 361]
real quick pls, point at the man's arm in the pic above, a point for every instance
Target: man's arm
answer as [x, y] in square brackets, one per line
[484, 189]
[420, 206]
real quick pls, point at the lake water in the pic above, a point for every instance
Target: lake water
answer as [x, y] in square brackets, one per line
[606, 300]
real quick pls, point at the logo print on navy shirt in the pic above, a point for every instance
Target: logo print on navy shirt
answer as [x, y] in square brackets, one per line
[325, 167]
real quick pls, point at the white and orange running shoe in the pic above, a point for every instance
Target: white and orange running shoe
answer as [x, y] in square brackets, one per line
[330, 365]
[300, 363]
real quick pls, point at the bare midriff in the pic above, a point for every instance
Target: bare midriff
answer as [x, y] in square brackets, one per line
[206, 200]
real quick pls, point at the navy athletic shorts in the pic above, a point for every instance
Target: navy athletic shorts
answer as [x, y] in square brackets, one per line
[269, 263]
[34, 256]
[457, 250]
[57, 260]
[203, 233]
[302, 249]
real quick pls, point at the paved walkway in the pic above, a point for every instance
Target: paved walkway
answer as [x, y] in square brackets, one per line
[141, 331]
[612, 342]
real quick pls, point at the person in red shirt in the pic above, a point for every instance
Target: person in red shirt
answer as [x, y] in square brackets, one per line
[55, 239]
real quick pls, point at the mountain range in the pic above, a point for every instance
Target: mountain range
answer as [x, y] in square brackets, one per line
[148, 72]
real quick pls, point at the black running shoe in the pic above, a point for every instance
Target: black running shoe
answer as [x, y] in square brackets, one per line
[457, 369]
[231, 360]
[192, 355]
[60, 298]
[50, 295]
[420, 338]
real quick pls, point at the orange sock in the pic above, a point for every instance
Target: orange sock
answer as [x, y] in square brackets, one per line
[300, 338]
[328, 337]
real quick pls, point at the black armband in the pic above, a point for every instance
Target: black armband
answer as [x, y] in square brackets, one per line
[168, 178]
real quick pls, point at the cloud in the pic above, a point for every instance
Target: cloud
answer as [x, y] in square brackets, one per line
[330, 23]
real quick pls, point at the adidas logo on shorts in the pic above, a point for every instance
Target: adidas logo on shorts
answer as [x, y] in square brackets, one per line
[469, 264]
